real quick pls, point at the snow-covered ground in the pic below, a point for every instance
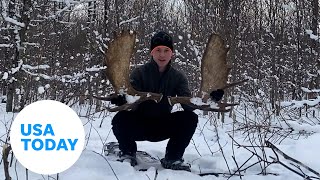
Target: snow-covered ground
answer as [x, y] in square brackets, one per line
[203, 151]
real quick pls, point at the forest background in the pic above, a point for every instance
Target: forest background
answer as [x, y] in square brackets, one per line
[54, 49]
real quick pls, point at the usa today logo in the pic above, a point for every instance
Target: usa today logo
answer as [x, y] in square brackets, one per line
[47, 137]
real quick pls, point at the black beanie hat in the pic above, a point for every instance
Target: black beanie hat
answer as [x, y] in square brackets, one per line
[161, 39]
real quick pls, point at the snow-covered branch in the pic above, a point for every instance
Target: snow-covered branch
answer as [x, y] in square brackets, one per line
[6, 45]
[100, 42]
[13, 21]
[25, 66]
[310, 90]
[69, 4]
[312, 36]
[44, 76]
[16, 69]
[31, 44]
[128, 21]
[95, 68]
[75, 78]
[302, 103]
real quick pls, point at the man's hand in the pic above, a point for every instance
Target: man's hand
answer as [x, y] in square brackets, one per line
[119, 100]
[217, 95]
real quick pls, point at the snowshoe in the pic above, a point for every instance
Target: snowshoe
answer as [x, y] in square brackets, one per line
[141, 161]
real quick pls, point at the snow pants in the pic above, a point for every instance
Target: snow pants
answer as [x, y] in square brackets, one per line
[132, 126]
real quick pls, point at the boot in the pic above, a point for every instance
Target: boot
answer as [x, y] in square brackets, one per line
[176, 164]
[130, 158]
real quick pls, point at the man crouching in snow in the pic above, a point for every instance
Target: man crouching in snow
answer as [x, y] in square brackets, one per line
[153, 121]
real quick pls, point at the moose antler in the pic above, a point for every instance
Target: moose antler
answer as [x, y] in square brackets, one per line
[118, 57]
[214, 74]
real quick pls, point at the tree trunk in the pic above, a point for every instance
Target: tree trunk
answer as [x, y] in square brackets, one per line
[11, 85]
[315, 44]
[6, 151]
[9, 104]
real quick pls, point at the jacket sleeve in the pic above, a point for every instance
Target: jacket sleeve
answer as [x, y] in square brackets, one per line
[183, 86]
[183, 90]
[136, 79]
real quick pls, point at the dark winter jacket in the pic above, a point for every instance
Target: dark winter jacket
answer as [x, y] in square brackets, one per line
[171, 82]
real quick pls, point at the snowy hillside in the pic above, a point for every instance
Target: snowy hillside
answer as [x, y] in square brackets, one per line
[203, 152]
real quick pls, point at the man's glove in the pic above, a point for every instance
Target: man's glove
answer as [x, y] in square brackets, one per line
[217, 95]
[119, 100]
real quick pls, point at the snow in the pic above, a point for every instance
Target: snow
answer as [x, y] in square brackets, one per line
[290, 7]
[6, 45]
[16, 69]
[29, 67]
[131, 99]
[13, 21]
[41, 90]
[17, 91]
[203, 151]
[44, 76]
[95, 68]
[310, 90]
[197, 101]
[32, 44]
[298, 104]
[129, 20]
[312, 36]
[5, 76]
[179, 54]
[303, 127]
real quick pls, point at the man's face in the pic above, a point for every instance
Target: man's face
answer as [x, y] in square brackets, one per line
[161, 55]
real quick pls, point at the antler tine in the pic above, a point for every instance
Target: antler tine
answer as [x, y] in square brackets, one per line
[221, 106]
[143, 97]
[218, 107]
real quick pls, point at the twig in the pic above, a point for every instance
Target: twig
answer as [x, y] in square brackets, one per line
[224, 157]
[233, 154]
[195, 146]
[205, 140]
[206, 174]
[156, 174]
[254, 153]
[270, 145]
[239, 169]
[15, 169]
[234, 159]
[264, 172]
[284, 165]
[258, 162]
[114, 173]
